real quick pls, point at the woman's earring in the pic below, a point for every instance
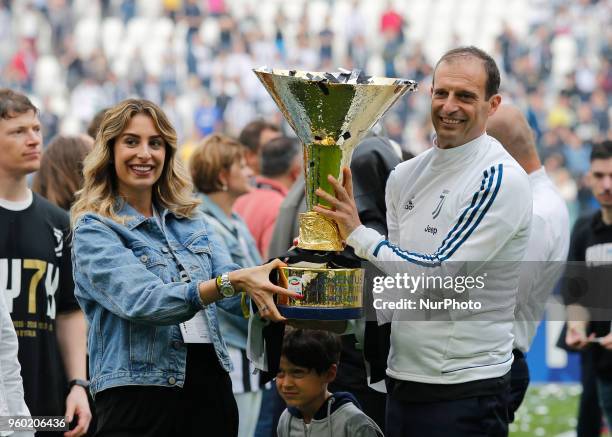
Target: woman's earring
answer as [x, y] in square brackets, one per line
[224, 187]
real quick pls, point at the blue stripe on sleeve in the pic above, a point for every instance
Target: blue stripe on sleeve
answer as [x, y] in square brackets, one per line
[484, 211]
[454, 243]
[473, 208]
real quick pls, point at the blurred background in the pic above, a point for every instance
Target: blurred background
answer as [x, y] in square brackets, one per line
[194, 59]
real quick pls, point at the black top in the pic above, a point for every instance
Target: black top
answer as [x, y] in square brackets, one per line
[36, 280]
[587, 281]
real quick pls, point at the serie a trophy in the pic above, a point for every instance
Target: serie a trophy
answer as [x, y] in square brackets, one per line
[330, 113]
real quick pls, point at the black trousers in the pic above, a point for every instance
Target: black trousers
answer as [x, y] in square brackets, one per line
[204, 406]
[519, 381]
[589, 412]
[479, 416]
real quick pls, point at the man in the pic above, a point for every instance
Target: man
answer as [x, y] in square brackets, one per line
[547, 247]
[591, 248]
[464, 200]
[36, 274]
[253, 136]
[281, 165]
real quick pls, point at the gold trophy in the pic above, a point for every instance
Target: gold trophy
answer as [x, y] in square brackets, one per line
[330, 113]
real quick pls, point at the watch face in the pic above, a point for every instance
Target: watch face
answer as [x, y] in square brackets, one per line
[227, 290]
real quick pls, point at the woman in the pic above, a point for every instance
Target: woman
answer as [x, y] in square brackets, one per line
[61, 169]
[145, 263]
[220, 174]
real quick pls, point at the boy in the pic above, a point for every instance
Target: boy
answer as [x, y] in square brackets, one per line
[309, 362]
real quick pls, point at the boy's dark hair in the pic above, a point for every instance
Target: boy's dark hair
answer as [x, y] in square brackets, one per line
[601, 150]
[312, 349]
[277, 156]
[250, 134]
[493, 77]
[13, 104]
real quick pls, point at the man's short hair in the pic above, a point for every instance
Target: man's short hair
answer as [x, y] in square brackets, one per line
[312, 349]
[249, 136]
[94, 124]
[13, 104]
[277, 156]
[493, 77]
[601, 150]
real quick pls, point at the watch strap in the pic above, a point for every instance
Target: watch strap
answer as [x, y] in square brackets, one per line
[80, 382]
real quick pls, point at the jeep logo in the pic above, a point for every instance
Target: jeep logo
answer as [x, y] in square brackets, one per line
[431, 230]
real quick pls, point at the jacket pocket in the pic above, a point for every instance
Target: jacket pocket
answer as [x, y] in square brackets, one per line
[200, 263]
[198, 243]
[142, 346]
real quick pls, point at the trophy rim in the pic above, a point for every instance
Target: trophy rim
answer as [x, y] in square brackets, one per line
[322, 269]
[392, 81]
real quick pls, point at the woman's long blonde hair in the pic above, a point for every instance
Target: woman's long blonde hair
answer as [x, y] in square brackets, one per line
[173, 190]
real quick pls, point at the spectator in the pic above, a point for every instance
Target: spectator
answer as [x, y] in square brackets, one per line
[253, 135]
[220, 175]
[238, 112]
[61, 170]
[591, 236]
[547, 247]
[207, 117]
[392, 24]
[281, 165]
[326, 41]
[35, 245]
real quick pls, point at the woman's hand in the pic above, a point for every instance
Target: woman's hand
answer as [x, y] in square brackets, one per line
[256, 282]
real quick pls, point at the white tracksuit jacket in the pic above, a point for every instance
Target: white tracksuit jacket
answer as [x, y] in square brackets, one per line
[468, 203]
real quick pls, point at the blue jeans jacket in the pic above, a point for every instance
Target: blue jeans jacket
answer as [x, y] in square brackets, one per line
[128, 282]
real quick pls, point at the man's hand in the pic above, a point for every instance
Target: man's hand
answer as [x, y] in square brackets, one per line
[77, 405]
[576, 335]
[606, 341]
[344, 210]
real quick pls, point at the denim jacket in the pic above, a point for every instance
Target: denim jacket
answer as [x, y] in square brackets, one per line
[235, 236]
[128, 282]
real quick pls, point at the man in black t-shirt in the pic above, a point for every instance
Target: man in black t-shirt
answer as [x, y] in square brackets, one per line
[36, 275]
[587, 281]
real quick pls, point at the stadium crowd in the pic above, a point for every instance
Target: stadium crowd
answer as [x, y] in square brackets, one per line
[194, 59]
[75, 59]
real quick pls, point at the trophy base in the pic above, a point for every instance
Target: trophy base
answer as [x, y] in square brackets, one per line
[329, 294]
[317, 232]
[322, 313]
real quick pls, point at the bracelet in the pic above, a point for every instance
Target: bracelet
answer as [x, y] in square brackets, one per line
[80, 382]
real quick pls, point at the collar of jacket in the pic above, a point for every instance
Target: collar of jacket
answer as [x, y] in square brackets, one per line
[135, 218]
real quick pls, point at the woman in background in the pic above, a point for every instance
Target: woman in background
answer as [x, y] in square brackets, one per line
[61, 169]
[220, 175]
